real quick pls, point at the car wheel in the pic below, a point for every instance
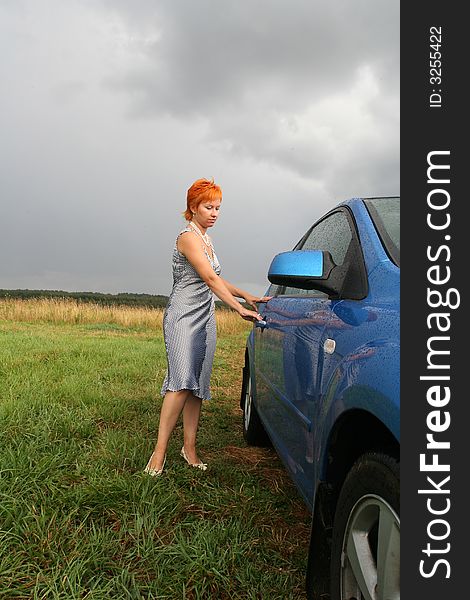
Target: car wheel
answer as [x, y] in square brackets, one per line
[365, 553]
[253, 430]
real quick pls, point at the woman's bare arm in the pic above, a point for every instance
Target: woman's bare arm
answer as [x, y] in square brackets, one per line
[249, 298]
[189, 245]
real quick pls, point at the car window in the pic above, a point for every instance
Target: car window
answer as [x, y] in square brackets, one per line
[333, 234]
[274, 290]
[385, 213]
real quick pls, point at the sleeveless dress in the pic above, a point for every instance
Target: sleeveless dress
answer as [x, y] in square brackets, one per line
[189, 328]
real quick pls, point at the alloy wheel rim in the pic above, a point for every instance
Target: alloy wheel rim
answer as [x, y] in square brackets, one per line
[370, 558]
[248, 401]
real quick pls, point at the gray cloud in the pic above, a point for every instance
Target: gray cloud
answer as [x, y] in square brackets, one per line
[208, 56]
[262, 76]
[113, 108]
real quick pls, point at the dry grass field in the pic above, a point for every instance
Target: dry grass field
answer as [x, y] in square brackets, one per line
[74, 312]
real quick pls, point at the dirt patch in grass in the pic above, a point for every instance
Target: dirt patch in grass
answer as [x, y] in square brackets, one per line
[249, 455]
[266, 464]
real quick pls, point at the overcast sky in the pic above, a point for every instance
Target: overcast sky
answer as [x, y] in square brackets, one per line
[110, 109]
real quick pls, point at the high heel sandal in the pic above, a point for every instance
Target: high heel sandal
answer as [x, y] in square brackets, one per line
[154, 472]
[201, 465]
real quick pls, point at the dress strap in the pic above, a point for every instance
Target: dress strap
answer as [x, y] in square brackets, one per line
[187, 228]
[211, 246]
[182, 231]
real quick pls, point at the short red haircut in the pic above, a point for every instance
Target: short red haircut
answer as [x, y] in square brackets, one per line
[201, 190]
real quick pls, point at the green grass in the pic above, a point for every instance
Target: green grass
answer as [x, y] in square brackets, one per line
[79, 408]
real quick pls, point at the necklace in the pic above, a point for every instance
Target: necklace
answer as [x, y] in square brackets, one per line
[204, 236]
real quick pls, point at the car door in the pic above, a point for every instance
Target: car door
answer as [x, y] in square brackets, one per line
[289, 353]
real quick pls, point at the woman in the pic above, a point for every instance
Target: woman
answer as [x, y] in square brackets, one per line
[189, 323]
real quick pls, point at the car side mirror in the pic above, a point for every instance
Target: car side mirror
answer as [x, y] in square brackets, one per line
[308, 270]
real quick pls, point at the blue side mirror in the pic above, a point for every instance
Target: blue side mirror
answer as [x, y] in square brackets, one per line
[303, 263]
[301, 268]
[316, 270]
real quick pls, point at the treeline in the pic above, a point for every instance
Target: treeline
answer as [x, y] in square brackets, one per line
[124, 298]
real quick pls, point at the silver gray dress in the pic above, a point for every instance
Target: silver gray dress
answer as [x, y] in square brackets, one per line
[189, 328]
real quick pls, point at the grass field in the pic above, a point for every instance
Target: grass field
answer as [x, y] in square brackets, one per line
[79, 404]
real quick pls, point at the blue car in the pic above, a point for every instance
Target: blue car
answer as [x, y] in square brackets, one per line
[321, 383]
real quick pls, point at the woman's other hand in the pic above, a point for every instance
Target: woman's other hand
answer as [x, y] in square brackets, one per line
[253, 300]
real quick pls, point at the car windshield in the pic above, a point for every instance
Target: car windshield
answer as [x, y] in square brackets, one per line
[385, 212]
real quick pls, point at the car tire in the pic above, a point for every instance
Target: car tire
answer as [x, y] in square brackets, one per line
[365, 552]
[253, 430]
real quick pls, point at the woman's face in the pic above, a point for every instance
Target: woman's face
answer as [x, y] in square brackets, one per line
[206, 213]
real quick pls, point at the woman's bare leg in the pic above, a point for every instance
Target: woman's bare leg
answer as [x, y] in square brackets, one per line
[173, 404]
[191, 413]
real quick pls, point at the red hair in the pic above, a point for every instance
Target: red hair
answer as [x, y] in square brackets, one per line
[201, 190]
